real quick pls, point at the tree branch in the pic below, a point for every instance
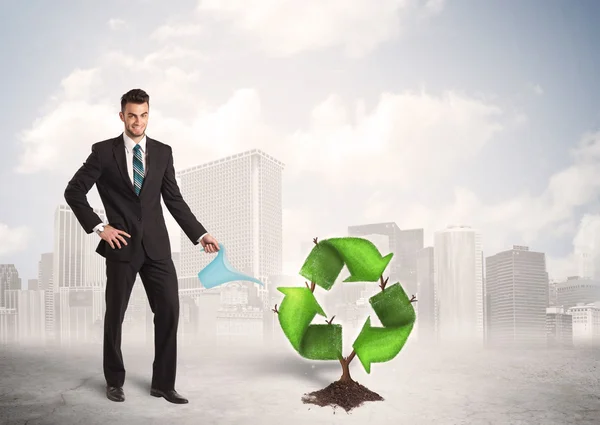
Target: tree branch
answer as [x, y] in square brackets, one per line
[311, 287]
[275, 309]
[383, 282]
[413, 299]
[331, 320]
[316, 240]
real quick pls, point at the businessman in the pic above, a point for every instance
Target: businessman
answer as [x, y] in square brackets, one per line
[131, 172]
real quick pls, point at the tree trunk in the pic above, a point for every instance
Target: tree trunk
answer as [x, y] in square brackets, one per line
[345, 371]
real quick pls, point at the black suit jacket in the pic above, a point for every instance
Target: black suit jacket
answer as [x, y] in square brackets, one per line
[140, 216]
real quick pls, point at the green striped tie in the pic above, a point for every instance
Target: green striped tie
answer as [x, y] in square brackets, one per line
[138, 169]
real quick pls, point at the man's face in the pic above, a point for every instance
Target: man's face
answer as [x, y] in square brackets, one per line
[135, 119]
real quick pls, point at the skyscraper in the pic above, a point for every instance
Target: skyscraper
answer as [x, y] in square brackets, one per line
[76, 264]
[411, 241]
[45, 266]
[576, 290]
[586, 324]
[559, 327]
[517, 289]
[585, 263]
[459, 285]
[239, 201]
[79, 276]
[426, 294]
[9, 279]
[30, 310]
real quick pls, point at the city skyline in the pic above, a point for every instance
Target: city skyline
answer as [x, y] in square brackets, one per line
[584, 264]
[464, 293]
[420, 120]
[74, 283]
[538, 320]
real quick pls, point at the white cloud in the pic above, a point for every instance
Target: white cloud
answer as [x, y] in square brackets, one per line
[171, 53]
[585, 242]
[588, 234]
[392, 145]
[559, 268]
[403, 137]
[433, 7]
[520, 119]
[60, 141]
[407, 135]
[537, 89]
[286, 28]
[14, 239]
[155, 63]
[115, 23]
[80, 84]
[586, 245]
[170, 31]
[522, 219]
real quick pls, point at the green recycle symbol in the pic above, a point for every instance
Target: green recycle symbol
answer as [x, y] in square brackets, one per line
[324, 341]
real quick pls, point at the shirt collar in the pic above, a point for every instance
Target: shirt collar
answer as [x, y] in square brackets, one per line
[129, 143]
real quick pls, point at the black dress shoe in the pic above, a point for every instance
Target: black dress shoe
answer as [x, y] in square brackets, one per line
[170, 396]
[115, 393]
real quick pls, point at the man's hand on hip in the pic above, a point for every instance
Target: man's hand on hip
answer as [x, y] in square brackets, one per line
[209, 243]
[113, 236]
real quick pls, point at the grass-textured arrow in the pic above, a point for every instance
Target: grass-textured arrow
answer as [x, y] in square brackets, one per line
[327, 258]
[324, 342]
[315, 342]
[397, 315]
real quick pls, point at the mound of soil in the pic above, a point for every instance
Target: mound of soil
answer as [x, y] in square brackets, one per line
[346, 395]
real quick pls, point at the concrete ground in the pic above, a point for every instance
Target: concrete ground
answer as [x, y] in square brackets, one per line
[243, 385]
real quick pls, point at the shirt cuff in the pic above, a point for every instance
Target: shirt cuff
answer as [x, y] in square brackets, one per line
[97, 227]
[200, 238]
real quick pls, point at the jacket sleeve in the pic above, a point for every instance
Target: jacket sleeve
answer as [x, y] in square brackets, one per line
[177, 206]
[78, 187]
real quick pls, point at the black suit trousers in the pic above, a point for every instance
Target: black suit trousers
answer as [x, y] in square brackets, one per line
[160, 282]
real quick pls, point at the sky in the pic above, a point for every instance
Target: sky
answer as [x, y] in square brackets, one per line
[427, 113]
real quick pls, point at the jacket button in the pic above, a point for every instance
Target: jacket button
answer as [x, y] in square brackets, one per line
[139, 218]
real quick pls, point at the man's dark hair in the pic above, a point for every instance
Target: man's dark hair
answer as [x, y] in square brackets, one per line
[138, 96]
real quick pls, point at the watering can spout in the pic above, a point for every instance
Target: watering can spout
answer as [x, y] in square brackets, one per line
[219, 271]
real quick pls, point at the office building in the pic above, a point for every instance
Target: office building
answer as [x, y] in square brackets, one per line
[577, 290]
[79, 277]
[9, 280]
[239, 201]
[517, 292]
[29, 306]
[45, 279]
[586, 324]
[559, 327]
[8, 326]
[426, 312]
[459, 286]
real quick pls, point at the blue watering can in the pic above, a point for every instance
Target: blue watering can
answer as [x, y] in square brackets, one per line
[219, 271]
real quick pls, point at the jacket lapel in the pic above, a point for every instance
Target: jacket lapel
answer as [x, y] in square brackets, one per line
[121, 160]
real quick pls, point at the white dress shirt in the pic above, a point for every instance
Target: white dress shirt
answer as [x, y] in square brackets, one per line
[129, 145]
